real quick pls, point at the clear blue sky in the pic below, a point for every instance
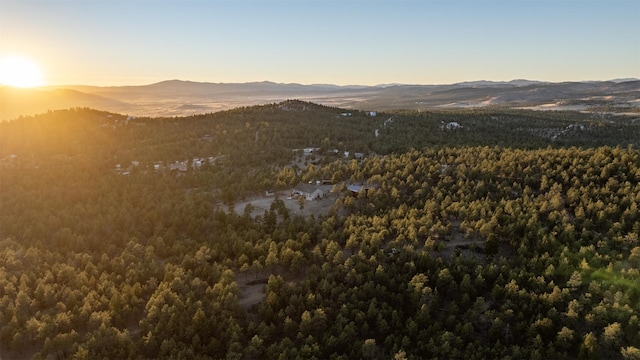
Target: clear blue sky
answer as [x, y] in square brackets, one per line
[116, 42]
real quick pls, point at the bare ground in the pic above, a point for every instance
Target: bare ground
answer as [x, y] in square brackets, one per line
[252, 285]
[310, 207]
[251, 295]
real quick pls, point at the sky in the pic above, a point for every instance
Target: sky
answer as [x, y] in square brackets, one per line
[343, 42]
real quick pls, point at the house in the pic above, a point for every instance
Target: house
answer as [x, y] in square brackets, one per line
[360, 187]
[452, 125]
[355, 188]
[314, 190]
[179, 166]
[197, 163]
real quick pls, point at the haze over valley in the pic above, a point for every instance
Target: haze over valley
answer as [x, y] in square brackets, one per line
[183, 98]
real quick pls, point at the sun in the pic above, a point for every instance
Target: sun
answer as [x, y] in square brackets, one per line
[19, 71]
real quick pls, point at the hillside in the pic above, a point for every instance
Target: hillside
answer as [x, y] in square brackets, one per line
[291, 125]
[15, 102]
[451, 233]
[512, 94]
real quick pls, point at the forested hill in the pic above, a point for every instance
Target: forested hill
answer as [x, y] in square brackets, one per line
[260, 134]
[483, 233]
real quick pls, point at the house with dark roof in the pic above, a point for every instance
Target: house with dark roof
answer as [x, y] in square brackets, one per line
[360, 187]
[312, 191]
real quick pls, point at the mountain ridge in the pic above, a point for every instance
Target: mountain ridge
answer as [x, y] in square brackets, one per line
[185, 97]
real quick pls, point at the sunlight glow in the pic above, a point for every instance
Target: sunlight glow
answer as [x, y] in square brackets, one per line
[19, 71]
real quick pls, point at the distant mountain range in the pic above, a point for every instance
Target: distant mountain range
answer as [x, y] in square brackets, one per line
[180, 98]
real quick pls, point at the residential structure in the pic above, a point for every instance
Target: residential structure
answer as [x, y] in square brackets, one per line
[356, 188]
[312, 191]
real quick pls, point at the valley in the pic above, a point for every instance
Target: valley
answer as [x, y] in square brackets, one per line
[186, 98]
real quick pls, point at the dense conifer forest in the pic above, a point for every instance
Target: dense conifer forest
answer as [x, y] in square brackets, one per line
[477, 234]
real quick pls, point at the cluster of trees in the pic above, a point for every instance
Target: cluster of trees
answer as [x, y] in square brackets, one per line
[452, 251]
[96, 264]
[552, 272]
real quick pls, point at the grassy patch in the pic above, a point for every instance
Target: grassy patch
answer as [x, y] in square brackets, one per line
[623, 283]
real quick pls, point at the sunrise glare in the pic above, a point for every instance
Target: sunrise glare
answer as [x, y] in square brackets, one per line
[20, 71]
[320, 179]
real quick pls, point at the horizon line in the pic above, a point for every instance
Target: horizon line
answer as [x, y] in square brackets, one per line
[618, 79]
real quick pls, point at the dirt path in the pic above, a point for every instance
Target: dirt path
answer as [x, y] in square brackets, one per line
[252, 286]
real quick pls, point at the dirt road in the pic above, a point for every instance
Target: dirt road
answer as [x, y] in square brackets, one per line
[310, 207]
